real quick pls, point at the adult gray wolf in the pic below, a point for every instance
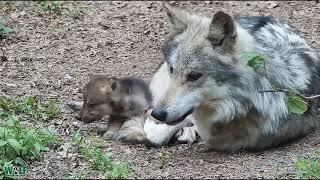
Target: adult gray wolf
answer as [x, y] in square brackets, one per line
[203, 77]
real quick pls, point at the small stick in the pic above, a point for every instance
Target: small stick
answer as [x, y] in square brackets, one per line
[288, 91]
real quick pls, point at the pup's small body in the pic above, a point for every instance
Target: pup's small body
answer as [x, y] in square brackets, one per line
[123, 99]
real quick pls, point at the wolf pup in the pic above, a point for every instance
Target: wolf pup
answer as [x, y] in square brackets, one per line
[203, 76]
[121, 98]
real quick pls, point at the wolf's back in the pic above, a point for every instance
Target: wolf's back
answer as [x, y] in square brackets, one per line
[291, 64]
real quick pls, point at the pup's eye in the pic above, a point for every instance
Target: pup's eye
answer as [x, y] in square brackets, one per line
[112, 103]
[193, 76]
[128, 91]
[113, 86]
[171, 69]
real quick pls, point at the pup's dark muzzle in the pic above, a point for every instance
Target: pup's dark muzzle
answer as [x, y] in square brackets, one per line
[161, 115]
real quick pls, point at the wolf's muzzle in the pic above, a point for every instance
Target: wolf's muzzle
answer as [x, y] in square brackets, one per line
[161, 115]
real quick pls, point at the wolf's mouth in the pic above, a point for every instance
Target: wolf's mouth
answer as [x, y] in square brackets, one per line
[181, 118]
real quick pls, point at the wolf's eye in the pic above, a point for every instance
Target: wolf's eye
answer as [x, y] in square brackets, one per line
[215, 41]
[171, 69]
[193, 76]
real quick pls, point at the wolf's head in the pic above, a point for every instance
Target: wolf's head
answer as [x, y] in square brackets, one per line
[202, 62]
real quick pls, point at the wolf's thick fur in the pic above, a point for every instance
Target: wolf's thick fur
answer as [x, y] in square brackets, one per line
[204, 74]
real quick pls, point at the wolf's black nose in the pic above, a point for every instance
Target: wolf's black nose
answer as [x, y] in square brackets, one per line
[159, 114]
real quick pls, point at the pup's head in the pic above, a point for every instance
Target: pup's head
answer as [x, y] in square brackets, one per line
[114, 96]
[201, 62]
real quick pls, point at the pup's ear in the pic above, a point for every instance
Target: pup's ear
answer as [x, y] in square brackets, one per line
[94, 76]
[222, 30]
[114, 82]
[176, 17]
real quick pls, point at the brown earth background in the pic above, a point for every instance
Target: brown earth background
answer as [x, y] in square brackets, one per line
[52, 55]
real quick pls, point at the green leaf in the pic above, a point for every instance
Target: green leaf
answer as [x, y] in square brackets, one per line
[256, 62]
[247, 56]
[19, 161]
[2, 143]
[37, 147]
[30, 135]
[253, 60]
[15, 145]
[4, 29]
[3, 132]
[297, 104]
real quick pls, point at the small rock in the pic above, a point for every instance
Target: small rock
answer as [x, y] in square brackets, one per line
[3, 58]
[134, 66]
[16, 15]
[75, 123]
[273, 5]
[11, 85]
[67, 77]
[58, 122]
[147, 32]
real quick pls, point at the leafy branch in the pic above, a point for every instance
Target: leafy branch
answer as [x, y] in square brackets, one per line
[296, 101]
[4, 30]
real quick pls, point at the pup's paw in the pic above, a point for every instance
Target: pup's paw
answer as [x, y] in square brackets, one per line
[75, 105]
[134, 138]
[111, 136]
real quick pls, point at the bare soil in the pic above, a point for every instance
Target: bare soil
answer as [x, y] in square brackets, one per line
[52, 55]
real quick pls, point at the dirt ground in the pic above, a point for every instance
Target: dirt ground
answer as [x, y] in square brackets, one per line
[52, 55]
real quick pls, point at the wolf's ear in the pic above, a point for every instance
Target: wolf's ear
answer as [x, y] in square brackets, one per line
[222, 30]
[177, 18]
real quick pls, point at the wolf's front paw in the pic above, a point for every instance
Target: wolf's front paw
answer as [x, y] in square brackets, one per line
[187, 135]
[158, 134]
[111, 135]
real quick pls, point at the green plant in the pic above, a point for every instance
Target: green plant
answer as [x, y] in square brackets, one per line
[99, 160]
[29, 107]
[75, 9]
[296, 102]
[51, 6]
[19, 144]
[308, 167]
[4, 30]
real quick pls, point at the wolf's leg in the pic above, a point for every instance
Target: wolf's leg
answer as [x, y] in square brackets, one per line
[189, 133]
[160, 134]
[132, 131]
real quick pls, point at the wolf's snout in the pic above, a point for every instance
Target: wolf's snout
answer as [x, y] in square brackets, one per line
[160, 114]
